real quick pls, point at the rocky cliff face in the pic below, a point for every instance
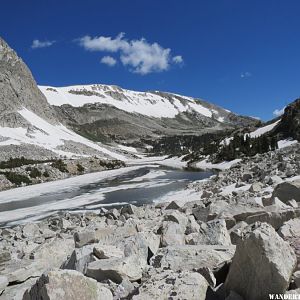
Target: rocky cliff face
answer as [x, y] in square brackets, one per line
[289, 125]
[19, 90]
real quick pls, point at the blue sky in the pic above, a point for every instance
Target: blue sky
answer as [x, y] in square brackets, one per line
[243, 55]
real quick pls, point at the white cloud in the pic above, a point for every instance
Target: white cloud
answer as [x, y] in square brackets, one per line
[246, 75]
[41, 44]
[108, 60]
[177, 59]
[139, 55]
[103, 43]
[278, 112]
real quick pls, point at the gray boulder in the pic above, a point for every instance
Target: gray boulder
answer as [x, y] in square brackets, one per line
[129, 209]
[115, 269]
[236, 232]
[177, 217]
[211, 233]
[287, 191]
[172, 285]
[31, 230]
[3, 283]
[105, 251]
[263, 263]
[51, 254]
[172, 234]
[290, 229]
[256, 187]
[174, 205]
[290, 232]
[296, 276]
[67, 285]
[189, 257]
[79, 259]
[276, 218]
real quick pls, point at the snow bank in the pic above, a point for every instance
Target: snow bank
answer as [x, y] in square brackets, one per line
[174, 162]
[205, 164]
[262, 130]
[128, 149]
[286, 143]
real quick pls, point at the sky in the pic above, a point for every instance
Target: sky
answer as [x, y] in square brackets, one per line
[243, 55]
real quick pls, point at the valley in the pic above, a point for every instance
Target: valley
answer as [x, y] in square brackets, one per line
[110, 193]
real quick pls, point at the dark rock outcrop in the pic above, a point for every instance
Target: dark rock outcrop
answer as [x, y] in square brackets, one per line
[289, 126]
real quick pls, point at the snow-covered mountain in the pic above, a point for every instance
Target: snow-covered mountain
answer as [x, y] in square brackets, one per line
[104, 110]
[151, 104]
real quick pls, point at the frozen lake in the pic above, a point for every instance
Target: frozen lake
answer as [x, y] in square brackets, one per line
[138, 185]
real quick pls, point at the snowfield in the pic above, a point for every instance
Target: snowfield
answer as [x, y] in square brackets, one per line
[145, 103]
[48, 136]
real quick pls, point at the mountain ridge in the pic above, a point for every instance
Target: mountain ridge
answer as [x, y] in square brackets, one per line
[113, 112]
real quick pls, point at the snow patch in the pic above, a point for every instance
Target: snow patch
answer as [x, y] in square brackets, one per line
[128, 149]
[205, 164]
[260, 131]
[286, 143]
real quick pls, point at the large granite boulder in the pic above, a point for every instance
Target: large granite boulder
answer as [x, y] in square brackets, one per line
[263, 264]
[67, 285]
[189, 257]
[290, 232]
[172, 285]
[115, 269]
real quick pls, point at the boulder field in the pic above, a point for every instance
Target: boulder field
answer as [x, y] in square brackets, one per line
[239, 240]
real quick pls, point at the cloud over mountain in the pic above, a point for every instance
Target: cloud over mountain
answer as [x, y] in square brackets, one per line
[140, 56]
